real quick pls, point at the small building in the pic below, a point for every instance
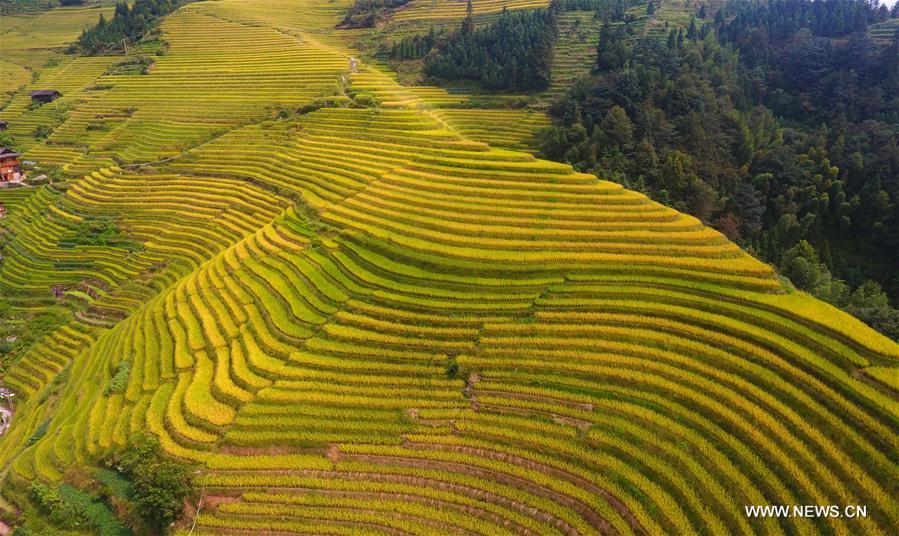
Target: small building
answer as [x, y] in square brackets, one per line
[10, 170]
[45, 95]
[3, 125]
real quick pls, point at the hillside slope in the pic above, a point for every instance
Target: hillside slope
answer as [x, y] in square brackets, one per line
[360, 320]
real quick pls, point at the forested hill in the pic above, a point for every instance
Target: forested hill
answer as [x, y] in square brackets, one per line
[776, 122]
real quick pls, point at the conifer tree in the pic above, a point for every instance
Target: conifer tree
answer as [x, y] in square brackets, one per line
[468, 23]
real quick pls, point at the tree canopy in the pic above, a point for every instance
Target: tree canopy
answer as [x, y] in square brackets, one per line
[797, 139]
[127, 24]
[515, 52]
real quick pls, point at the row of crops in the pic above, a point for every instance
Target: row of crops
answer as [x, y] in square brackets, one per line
[575, 52]
[328, 359]
[328, 364]
[433, 10]
[193, 93]
[177, 222]
[391, 320]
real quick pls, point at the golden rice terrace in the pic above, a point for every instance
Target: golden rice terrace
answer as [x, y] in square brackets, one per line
[392, 319]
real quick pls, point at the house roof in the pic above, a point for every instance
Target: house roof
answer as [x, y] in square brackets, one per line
[6, 152]
[44, 93]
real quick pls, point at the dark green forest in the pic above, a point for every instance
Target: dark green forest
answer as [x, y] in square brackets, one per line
[413, 47]
[515, 52]
[127, 24]
[778, 123]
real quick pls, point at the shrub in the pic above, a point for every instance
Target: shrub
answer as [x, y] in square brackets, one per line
[59, 511]
[92, 510]
[138, 65]
[98, 232]
[452, 369]
[365, 100]
[160, 489]
[159, 485]
[38, 434]
[119, 381]
[8, 140]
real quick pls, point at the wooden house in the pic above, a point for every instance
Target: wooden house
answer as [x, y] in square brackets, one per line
[10, 169]
[45, 95]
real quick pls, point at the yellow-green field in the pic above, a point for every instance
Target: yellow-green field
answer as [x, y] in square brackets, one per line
[436, 10]
[395, 320]
[30, 38]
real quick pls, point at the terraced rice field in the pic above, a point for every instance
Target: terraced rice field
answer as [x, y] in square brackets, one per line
[390, 320]
[29, 39]
[14, 77]
[511, 129]
[575, 53]
[884, 31]
[673, 14]
[192, 94]
[436, 10]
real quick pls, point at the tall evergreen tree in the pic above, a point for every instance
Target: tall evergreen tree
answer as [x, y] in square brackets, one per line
[129, 23]
[514, 52]
[611, 50]
[468, 22]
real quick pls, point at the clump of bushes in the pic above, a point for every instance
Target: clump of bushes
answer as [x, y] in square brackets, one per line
[42, 132]
[365, 100]
[100, 231]
[96, 232]
[97, 125]
[68, 507]
[119, 381]
[8, 140]
[38, 434]
[59, 511]
[139, 491]
[368, 13]
[138, 65]
[803, 266]
[158, 486]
